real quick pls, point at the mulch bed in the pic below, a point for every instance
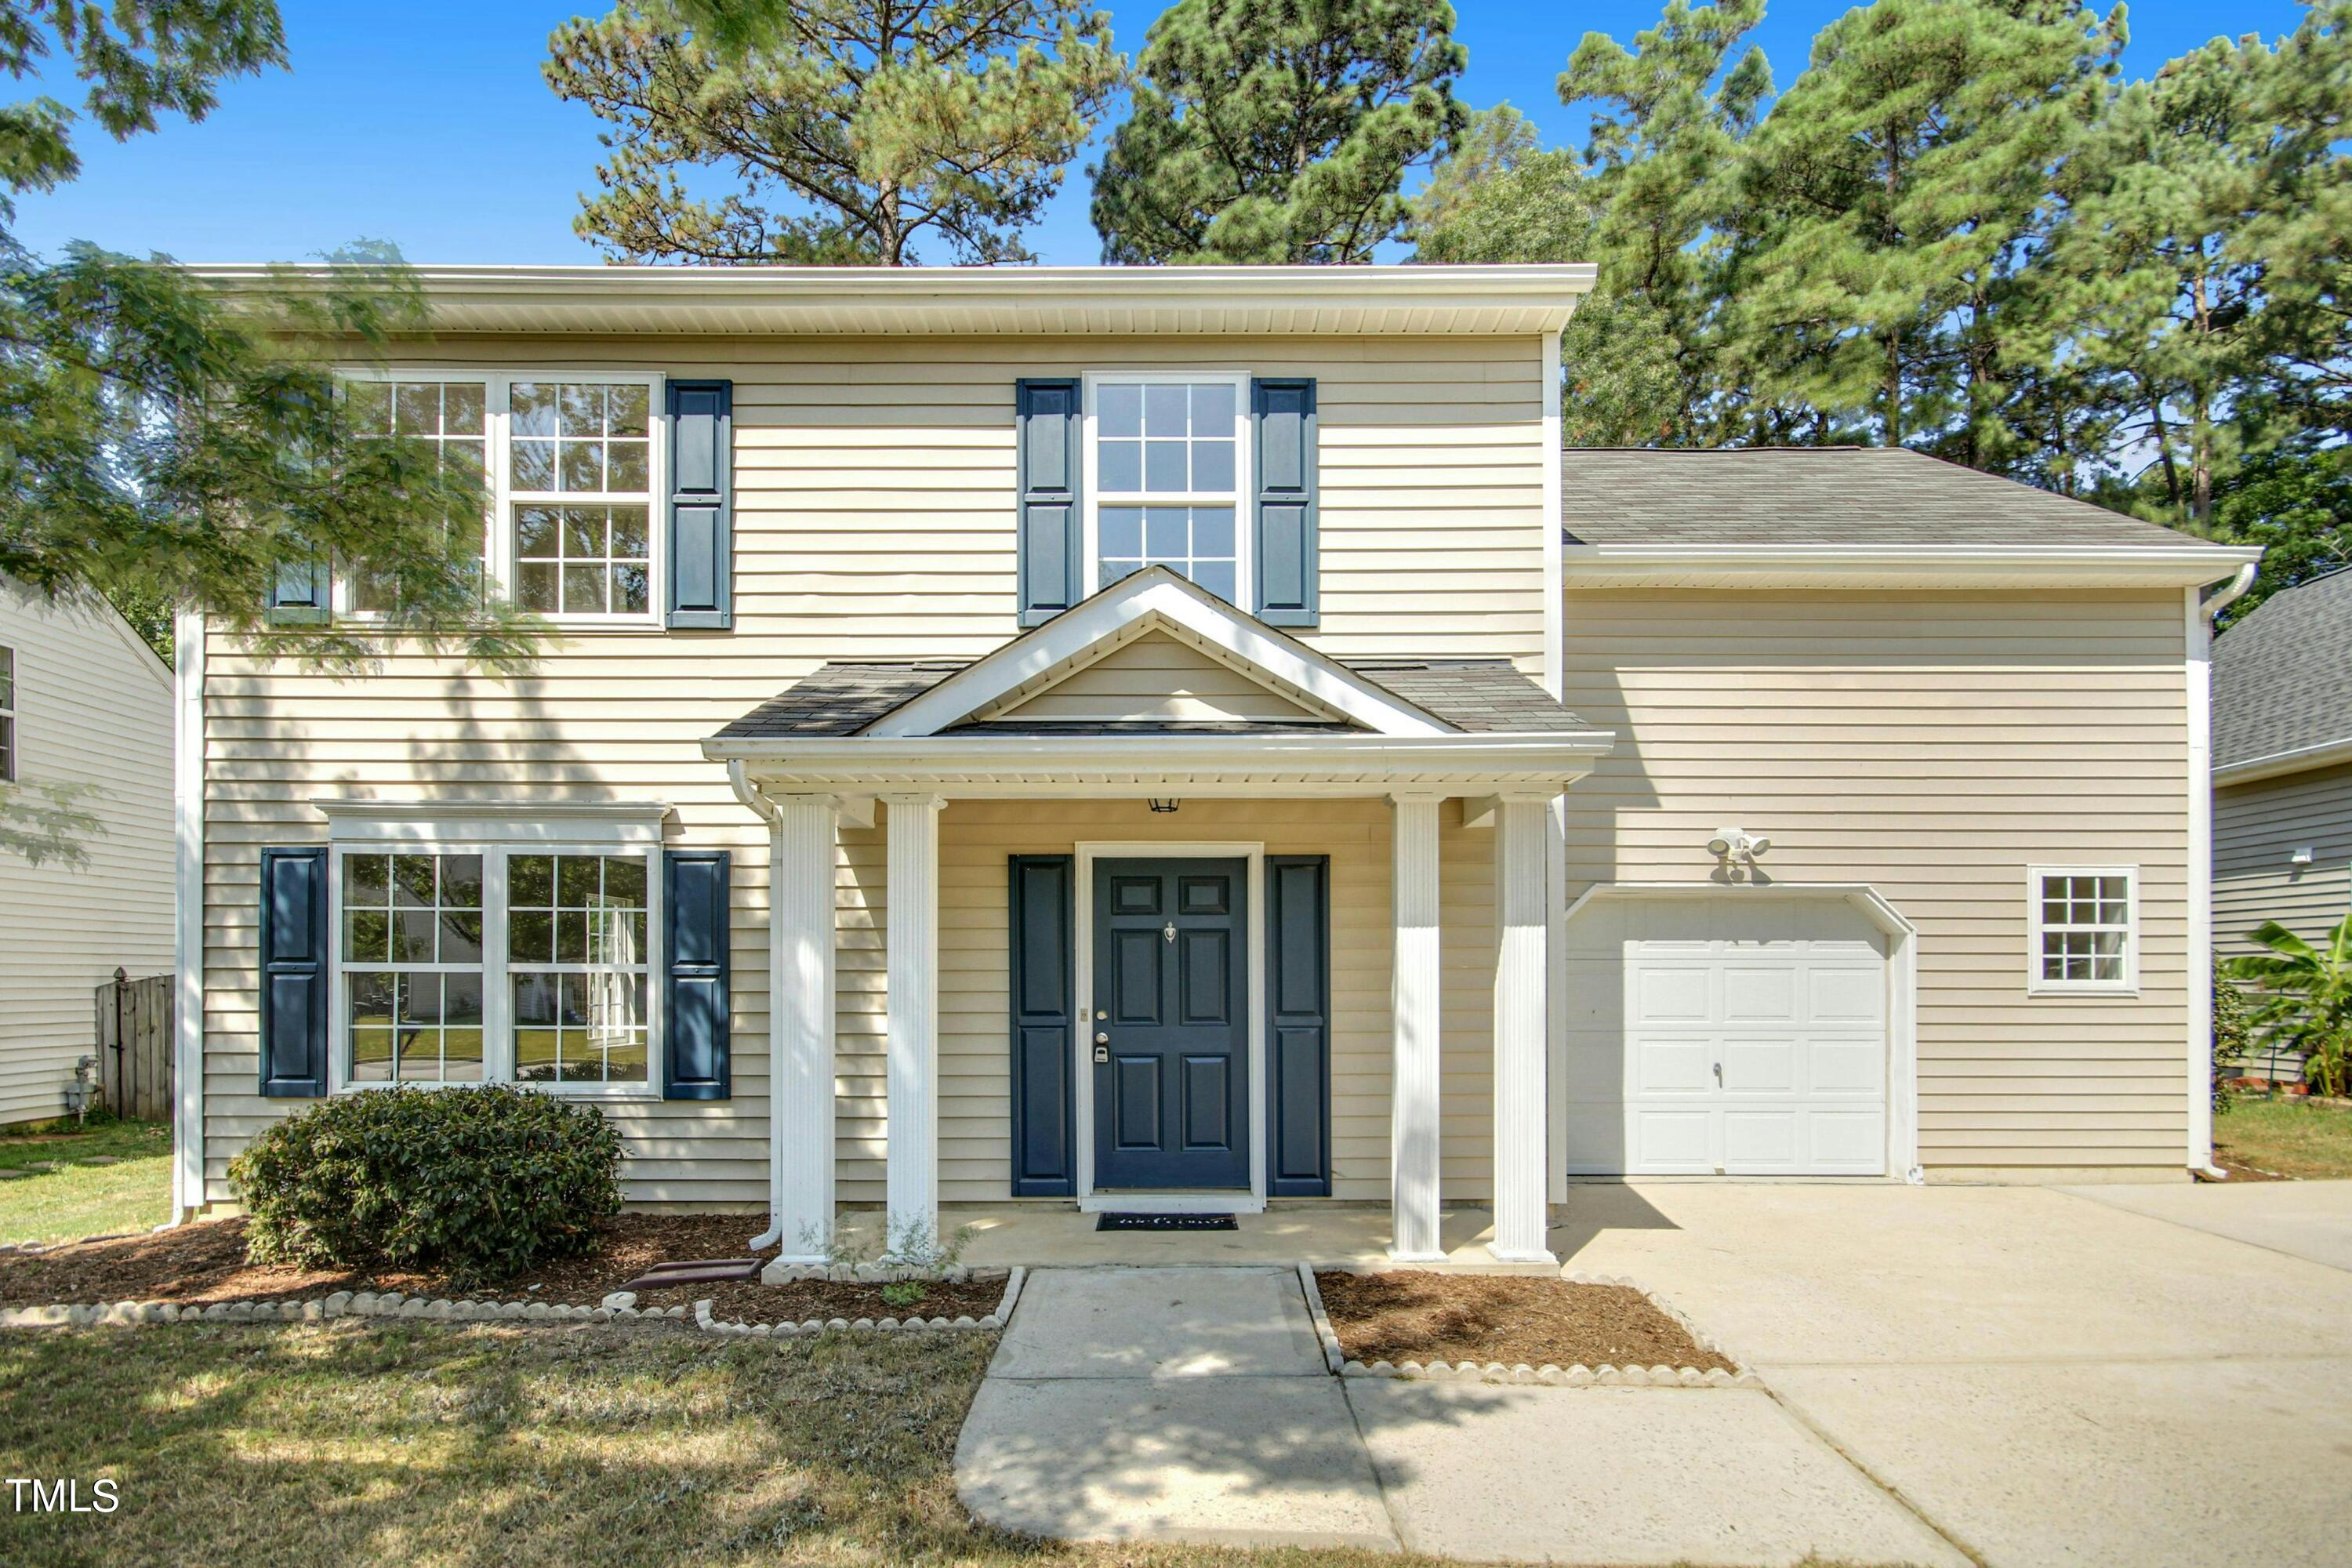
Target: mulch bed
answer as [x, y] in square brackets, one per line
[1409, 1315]
[206, 1262]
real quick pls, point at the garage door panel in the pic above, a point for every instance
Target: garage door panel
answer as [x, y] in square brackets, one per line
[1855, 995]
[1846, 1143]
[1759, 1142]
[1673, 1143]
[1787, 997]
[1760, 1065]
[1672, 993]
[1758, 995]
[1673, 1066]
[1857, 1066]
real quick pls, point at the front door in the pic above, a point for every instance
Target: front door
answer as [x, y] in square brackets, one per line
[1171, 1031]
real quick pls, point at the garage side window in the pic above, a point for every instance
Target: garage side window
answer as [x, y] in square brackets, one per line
[2084, 924]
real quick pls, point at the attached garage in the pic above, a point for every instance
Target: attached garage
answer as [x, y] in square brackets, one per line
[1735, 1032]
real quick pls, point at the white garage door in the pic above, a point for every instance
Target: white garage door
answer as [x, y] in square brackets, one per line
[1713, 1036]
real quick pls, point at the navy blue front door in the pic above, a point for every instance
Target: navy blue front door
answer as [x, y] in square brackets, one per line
[1172, 995]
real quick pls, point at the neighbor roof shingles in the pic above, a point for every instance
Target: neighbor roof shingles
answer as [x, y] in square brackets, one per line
[2283, 676]
[1821, 495]
[1480, 696]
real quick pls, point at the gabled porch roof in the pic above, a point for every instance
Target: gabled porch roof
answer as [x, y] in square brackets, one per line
[1358, 725]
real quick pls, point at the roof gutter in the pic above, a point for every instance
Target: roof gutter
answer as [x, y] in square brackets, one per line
[2302, 759]
[2184, 565]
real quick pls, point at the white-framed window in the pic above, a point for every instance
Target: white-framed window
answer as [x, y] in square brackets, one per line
[1167, 477]
[517, 963]
[7, 715]
[2082, 924]
[573, 465]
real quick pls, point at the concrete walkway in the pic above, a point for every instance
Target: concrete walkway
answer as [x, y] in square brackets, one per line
[1191, 1404]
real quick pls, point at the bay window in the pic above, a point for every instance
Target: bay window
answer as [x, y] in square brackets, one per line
[569, 461]
[491, 963]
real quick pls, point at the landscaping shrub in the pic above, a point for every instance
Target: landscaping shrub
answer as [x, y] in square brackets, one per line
[481, 1183]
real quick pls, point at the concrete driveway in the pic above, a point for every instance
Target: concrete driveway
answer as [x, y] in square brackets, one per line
[2126, 1375]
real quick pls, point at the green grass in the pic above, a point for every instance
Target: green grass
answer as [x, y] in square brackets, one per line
[2287, 1138]
[77, 1200]
[430, 1444]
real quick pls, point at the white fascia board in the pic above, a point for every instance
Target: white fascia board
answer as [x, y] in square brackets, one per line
[2184, 565]
[1035, 765]
[372, 820]
[1457, 299]
[2328, 754]
[1158, 594]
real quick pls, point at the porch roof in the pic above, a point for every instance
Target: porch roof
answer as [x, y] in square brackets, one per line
[1473, 696]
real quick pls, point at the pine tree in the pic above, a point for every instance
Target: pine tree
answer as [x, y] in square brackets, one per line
[1889, 201]
[860, 130]
[1277, 130]
[1667, 129]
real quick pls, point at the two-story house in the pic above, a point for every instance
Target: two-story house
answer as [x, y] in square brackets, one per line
[1190, 738]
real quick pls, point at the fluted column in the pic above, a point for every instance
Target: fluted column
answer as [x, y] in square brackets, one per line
[1415, 1088]
[1522, 978]
[800, 1024]
[911, 1168]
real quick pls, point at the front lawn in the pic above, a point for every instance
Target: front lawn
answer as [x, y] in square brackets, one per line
[128, 1192]
[2286, 1137]
[422, 1443]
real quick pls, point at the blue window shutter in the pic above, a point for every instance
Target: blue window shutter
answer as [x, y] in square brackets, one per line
[701, 505]
[299, 595]
[1284, 414]
[1298, 1002]
[1043, 994]
[294, 973]
[1046, 414]
[695, 1019]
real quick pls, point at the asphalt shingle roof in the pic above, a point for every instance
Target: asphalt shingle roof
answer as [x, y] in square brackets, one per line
[2283, 675]
[1481, 696]
[1821, 495]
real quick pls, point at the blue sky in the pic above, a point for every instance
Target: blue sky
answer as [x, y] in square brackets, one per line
[427, 124]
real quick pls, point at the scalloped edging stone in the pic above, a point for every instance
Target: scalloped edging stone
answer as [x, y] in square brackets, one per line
[1012, 1277]
[339, 1304]
[1576, 1376]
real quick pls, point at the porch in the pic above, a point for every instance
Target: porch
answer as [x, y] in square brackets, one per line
[1173, 912]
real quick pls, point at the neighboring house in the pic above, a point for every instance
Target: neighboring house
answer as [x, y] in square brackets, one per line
[2282, 771]
[1099, 736]
[85, 705]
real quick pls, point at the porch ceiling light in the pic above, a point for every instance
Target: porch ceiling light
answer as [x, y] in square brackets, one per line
[1163, 806]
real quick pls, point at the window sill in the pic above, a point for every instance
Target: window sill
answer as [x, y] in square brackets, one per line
[2081, 988]
[630, 1093]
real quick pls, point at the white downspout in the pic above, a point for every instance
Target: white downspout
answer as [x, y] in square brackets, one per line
[188, 916]
[740, 781]
[2199, 613]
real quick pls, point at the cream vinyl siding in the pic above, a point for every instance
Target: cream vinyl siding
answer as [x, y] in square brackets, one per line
[1155, 678]
[93, 710]
[2255, 827]
[1933, 746]
[874, 518]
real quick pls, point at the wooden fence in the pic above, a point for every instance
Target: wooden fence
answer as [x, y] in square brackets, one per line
[134, 1046]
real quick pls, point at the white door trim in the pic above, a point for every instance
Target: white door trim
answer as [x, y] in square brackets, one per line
[1082, 1037]
[1902, 986]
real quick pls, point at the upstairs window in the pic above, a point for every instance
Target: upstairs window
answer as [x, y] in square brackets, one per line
[1166, 459]
[7, 715]
[569, 462]
[2084, 923]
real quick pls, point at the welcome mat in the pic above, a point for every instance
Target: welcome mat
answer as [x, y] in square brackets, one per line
[1164, 1222]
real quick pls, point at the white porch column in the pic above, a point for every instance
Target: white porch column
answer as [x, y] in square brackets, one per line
[1414, 999]
[911, 1170]
[800, 832]
[1522, 979]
